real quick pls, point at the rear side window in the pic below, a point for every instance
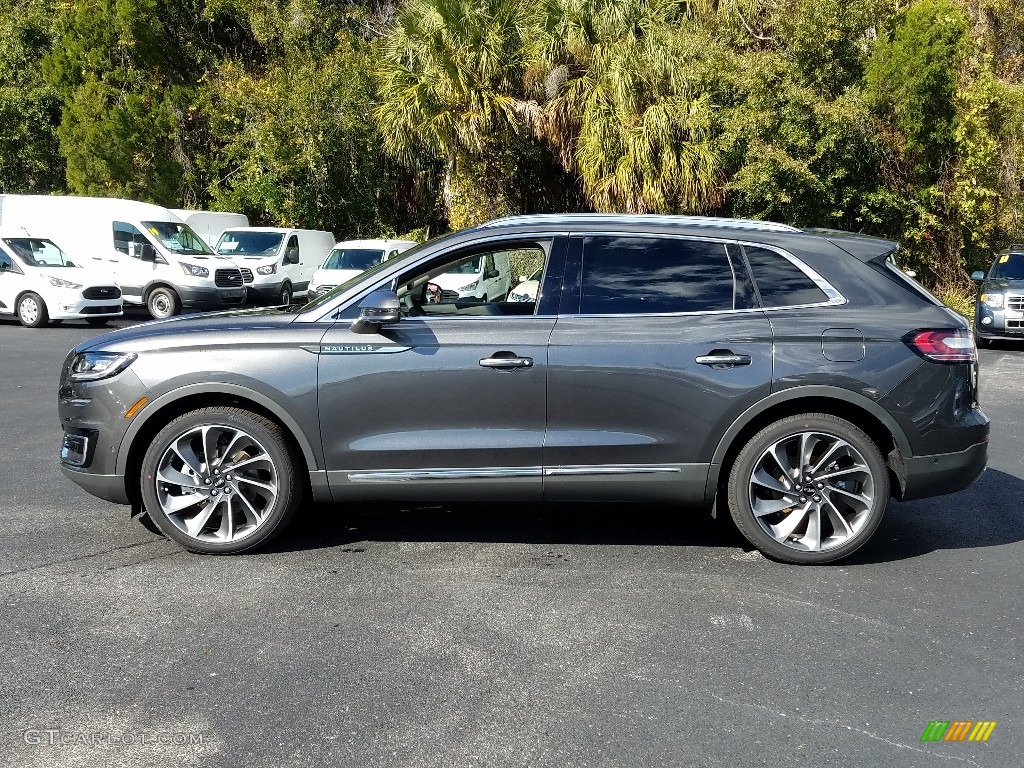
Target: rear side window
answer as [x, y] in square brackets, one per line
[648, 275]
[5, 261]
[780, 282]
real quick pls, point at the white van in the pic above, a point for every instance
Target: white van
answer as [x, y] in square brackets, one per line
[40, 283]
[157, 260]
[281, 260]
[487, 278]
[350, 258]
[210, 224]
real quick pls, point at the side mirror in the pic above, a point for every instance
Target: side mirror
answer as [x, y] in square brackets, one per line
[147, 252]
[378, 309]
[910, 272]
[978, 277]
[291, 256]
[491, 274]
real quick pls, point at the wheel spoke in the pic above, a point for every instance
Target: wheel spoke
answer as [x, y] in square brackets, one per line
[856, 468]
[227, 524]
[835, 447]
[785, 529]
[174, 504]
[195, 523]
[866, 501]
[840, 528]
[762, 478]
[783, 461]
[174, 477]
[252, 515]
[247, 462]
[812, 537]
[268, 488]
[183, 448]
[764, 507]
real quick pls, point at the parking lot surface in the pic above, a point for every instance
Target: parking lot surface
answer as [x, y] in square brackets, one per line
[497, 634]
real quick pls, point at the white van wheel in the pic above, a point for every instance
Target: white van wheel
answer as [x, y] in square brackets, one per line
[162, 303]
[285, 297]
[32, 310]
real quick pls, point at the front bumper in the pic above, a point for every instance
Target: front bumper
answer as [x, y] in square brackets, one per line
[211, 298]
[82, 309]
[108, 487]
[944, 473]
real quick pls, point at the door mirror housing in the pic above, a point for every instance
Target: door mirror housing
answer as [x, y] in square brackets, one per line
[378, 309]
[490, 274]
[291, 256]
[147, 252]
[978, 276]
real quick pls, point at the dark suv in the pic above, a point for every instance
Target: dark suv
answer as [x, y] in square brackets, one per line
[999, 308]
[797, 377]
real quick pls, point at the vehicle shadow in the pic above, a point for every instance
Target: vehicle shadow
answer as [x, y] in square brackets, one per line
[989, 513]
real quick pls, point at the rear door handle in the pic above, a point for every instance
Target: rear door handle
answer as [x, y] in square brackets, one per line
[722, 358]
[506, 360]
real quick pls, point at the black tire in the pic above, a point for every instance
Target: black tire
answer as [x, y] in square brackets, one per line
[284, 298]
[97, 321]
[287, 465]
[163, 303]
[32, 310]
[741, 485]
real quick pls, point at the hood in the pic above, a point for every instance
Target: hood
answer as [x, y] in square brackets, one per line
[334, 276]
[188, 330]
[86, 277]
[1001, 284]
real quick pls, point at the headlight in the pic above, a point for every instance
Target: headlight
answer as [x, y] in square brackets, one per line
[192, 269]
[470, 287]
[92, 366]
[56, 282]
[992, 300]
[267, 269]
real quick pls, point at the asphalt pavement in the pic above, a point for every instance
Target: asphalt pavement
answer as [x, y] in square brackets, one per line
[497, 634]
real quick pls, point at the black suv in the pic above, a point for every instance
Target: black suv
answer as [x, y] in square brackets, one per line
[999, 309]
[797, 377]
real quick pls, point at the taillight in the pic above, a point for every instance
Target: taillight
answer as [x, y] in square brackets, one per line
[943, 346]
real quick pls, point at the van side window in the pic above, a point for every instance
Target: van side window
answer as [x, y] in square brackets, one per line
[291, 254]
[124, 235]
[5, 261]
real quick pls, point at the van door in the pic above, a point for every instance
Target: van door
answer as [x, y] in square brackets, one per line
[131, 271]
[11, 280]
[291, 265]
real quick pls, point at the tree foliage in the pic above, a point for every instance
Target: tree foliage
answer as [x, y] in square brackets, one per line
[903, 118]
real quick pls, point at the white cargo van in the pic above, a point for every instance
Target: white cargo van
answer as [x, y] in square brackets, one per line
[209, 224]
[487, 278]
[281, 260]
[40, 283]
[157, 260]
[350, 258]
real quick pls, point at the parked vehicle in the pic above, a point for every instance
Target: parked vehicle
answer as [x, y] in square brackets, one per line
[798, 379]
[40, 283]
[277, 263]
[210, 224]
[487, 278]
[528, 287]
[999, 308]
[156, 259]
[350, 258]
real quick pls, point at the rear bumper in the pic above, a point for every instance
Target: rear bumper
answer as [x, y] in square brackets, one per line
[944, 473]
[109, 487]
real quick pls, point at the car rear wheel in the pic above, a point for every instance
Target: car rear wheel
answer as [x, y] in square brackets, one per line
[808, 489]
[163, 303]
[32, 311]
[221, 480]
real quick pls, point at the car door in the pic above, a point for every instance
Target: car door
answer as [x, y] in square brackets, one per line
[660, 348]
[448, 403]
[10, 280]
[132, 273]
[291, 264]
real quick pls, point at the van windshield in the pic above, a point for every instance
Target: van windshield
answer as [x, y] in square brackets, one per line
[353, 258]
[249, 243]
[470, 267]
[177, 238]
[1009, 266]
[36, 252]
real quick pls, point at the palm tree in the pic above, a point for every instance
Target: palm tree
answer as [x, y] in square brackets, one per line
[616, 107]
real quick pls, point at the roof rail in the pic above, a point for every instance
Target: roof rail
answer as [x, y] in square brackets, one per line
[687, 221]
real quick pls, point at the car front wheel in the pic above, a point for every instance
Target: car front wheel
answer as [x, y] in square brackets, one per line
[221, 480]
[810, 488]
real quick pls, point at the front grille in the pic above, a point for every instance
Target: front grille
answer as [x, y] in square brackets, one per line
[246, 275]
[228, 278]
[102, 292]
[1015, 302]
[104, 310]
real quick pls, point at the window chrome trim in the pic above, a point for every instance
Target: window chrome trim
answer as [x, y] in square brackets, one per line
[835, 298]
[403, 475]
[611, 469]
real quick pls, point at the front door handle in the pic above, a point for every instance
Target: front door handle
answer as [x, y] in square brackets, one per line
[506, 360]
[722, 358]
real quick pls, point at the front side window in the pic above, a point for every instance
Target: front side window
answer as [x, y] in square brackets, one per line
[128, 239]
[36, 252]
[249, 243]
[292, 253]
[780, 282]
[652, 275]
[5, 260]
[353, 258]
[1009, 266]
[177, 238]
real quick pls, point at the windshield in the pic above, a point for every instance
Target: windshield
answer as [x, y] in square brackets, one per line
[176, 238]
[250, 243]
[353, 258]
[470, 267]
[1009, 266]
[36, 252]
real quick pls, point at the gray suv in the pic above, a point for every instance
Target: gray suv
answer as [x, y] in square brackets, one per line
[797, 378]
[999, 308]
